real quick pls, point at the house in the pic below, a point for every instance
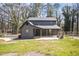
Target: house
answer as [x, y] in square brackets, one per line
[39, 26]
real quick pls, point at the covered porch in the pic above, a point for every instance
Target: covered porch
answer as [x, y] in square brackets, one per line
[45, 32]
[49, 32]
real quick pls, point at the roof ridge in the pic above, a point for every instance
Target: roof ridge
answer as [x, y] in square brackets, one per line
[42, 18]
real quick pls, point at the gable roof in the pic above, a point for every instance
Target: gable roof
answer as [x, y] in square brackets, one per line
[46, 22]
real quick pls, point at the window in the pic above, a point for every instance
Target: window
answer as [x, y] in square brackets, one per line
[27, 30]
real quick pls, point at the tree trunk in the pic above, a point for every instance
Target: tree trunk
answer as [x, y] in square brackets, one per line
[77, 24]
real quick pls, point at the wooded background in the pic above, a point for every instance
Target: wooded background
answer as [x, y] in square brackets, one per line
[13, 15]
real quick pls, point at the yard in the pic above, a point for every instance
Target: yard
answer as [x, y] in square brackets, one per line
[63, 47]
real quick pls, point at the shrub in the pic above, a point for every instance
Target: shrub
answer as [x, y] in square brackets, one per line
[0, 35]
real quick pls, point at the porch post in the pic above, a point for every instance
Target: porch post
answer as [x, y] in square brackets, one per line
[50, 32]
[40, 32]
[46, 32]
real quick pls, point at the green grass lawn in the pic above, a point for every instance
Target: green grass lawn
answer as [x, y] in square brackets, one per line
[63, 47]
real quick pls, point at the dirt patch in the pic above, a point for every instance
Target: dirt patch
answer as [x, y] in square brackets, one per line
[33, 54]
[1, 41]
[10, 54]
[11, 42]
[26, 54]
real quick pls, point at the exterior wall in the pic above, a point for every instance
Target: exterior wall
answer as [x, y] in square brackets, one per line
[27, 31]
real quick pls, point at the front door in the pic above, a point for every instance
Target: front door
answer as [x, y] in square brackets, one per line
[36, 32]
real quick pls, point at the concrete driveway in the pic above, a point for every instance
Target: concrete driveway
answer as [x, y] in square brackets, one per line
[8, 37]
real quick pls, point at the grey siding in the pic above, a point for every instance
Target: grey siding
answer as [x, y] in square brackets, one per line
[27, 31]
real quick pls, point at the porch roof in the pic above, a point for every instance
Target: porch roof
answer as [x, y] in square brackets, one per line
[48, 27]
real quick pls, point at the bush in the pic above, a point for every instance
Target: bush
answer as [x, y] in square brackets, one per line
[1, 35]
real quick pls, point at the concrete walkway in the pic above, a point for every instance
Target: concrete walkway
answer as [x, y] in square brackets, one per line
[33, 54]
[47, 38]
[5, 39]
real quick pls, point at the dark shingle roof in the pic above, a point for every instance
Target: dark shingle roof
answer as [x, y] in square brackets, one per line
[44, 22]
[49, 27]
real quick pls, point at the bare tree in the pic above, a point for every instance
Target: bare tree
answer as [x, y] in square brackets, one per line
[35, 10]
[15, 14]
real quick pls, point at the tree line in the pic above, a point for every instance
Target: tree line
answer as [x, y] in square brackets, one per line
[13, 15]
[71, 18]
